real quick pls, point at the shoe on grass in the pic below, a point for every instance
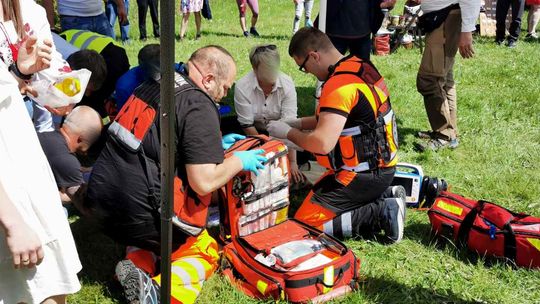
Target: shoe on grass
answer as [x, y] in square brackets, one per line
[436, 144]
[531, 36]
[246, 34]
[511, 44]
[397, 192]
[425, 134]
[393, 218]
[253, 31]
[139, 288]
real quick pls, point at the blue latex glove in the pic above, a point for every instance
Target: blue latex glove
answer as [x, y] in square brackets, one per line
[251, 160]
[228, 140]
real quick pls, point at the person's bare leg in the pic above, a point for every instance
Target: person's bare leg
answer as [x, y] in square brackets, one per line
[198, 24]
[533, 18]
[185, 20]
[60, 299]
[254, 19]
[243, 23]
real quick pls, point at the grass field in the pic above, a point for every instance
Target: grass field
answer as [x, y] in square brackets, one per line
[498, 160]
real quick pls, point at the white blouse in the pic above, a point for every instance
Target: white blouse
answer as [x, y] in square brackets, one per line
[253, 109]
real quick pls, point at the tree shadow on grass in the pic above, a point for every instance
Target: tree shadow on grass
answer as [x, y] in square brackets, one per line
[381, 290]
[240, 35]
[99, 255]
[404, 133]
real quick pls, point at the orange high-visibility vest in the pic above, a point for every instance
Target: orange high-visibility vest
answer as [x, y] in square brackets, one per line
[364, 144]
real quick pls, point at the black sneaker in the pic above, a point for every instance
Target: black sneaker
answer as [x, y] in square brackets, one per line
[499, 41]
[254, 32]
[511, 44]
[139, 288]
[393, 219]
[531, 36]
[246, 34]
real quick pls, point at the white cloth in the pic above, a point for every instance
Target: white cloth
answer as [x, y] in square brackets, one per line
[253, 108]
[80, 8]
[469, 11]
[29, 182]
[35, 22]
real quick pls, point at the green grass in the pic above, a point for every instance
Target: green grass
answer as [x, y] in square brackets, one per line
[498, 160]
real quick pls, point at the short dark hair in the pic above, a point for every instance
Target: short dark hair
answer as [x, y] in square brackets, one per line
[309, 39]
[149, 52]
[92, 61]
[149, 60]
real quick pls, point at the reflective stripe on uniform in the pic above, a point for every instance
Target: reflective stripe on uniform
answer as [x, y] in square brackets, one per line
[201, 272]
[74, 37]
[328, 227]
[359, 168]
[388, 117]
[86, 44]
[343, 225]
[346, 224]
[124, 135]
[351, 131]
[87, 40]
[189, 229]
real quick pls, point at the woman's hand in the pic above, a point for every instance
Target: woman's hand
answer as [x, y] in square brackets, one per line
[61, 111]
[24, 245]
[32, 57]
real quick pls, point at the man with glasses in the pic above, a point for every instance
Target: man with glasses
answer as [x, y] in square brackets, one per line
[124, 189]
[354, 136]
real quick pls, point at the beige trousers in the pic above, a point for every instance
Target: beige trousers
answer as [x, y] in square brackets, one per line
[435, 79]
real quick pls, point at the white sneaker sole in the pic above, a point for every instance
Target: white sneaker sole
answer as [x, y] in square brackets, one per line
[401, 218]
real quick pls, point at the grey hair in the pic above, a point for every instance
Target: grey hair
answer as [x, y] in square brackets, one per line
[216, 58]
[264, 54]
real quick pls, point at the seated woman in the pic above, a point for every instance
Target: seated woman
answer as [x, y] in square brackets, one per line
[263, 95]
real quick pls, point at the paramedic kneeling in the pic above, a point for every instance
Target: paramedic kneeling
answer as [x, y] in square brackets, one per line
[124, 187]
[354, 137]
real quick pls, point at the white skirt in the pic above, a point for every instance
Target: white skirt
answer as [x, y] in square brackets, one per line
[27, 178]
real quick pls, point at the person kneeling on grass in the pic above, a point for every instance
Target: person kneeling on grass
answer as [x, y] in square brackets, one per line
[124, 189]
[79, 131]
[354, 136]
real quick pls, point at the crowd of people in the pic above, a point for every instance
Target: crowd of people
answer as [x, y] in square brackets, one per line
[83, 154]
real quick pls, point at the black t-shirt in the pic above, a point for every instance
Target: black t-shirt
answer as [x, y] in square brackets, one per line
[119, 187]
[353, 18]
[64, 164]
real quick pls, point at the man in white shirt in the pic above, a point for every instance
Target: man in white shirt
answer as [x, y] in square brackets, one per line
[435, 79]
[84, 15]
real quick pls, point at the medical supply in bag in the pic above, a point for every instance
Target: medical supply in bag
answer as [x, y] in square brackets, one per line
[268, 255]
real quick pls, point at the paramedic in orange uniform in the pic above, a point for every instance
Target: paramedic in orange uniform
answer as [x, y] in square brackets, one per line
[124, 187]
[354, 136]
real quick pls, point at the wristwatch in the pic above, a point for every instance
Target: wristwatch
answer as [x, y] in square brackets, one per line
[15, 70]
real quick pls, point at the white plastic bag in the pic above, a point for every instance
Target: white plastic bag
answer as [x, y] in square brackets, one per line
[62, 89]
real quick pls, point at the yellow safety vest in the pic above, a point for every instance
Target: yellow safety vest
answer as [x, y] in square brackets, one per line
[86, 40]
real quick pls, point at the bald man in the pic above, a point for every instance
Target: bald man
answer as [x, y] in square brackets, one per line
[124, 189]
[80, 130]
